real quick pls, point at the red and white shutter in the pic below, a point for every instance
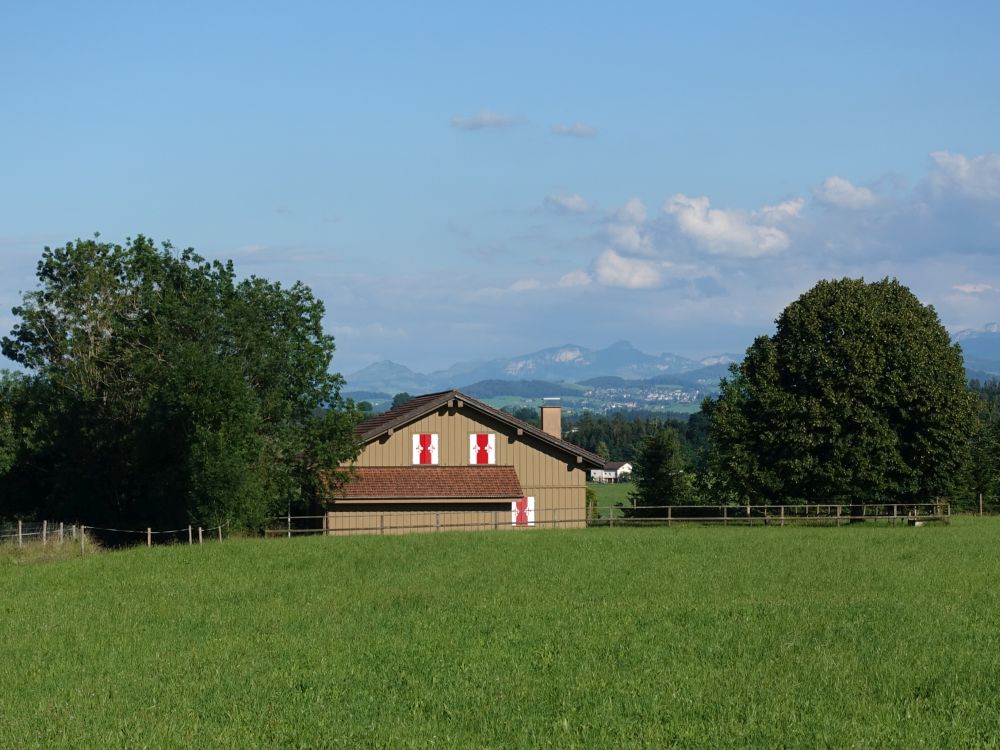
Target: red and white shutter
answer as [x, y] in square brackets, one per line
[482, 448]
[522, 512]
[425, 448]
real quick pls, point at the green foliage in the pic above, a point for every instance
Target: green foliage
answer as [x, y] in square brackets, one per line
[591, 500]
[164, 391]
[623, 435]
[984, 468]
[632, 638]
[859, 395]
[524, 413]
[400, 398]
[659, 476]
[603, 451]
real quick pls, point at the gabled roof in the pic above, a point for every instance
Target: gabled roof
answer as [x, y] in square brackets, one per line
[389, 421]
[615, 465]
[433, 482]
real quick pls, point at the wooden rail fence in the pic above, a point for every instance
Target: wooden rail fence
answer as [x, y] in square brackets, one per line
[826, 514]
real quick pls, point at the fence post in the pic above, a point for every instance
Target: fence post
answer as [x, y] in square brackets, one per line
[61, 530]
[782, 515]
[838, 515]
[980, 503]
[200, 540]
[20, 539]
[149, 537]
[289, 523]
[381, 523]
[73, 531]
[45, 532]
[725, 516]
[220, 532]
[669, 515]
[83, 535]
[190, 540]
[895, 513]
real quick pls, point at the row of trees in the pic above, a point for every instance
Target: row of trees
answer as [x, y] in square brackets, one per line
[621, 435]
[160, 390]
[859, 396]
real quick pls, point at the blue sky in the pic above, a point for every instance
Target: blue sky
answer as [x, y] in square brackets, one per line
[472, 180]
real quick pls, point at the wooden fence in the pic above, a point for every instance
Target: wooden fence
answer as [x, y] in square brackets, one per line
[827, 514]
[48, 532]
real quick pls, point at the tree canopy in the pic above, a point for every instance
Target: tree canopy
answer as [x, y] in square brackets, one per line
[858, 396]
[162, 390]
[660, 475]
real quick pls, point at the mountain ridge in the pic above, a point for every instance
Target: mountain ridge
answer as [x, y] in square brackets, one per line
[566, 363]
[572, 363]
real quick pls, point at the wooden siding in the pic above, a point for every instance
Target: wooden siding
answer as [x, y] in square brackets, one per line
[405, 518]
[555, 480]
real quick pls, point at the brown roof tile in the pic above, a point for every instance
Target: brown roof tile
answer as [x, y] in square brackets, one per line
[471, 482]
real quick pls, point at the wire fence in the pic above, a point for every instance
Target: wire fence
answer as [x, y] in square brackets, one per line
[48, 532]
[401, 522]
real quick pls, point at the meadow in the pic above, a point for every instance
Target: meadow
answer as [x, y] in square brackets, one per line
[688, 636]
[609, 495]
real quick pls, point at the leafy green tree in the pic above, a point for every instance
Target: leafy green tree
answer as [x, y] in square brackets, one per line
[859, 396]
[603, 451]
[165, 391]
[659, 475]
[400, 398]
[984, 468]
[524, 413]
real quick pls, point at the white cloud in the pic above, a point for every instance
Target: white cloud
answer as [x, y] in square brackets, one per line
[780, 212]
[972, 288]
[576, 130]
[836, 191]
[627, 237]
[633, 212]
[573, 204]
[575, 278]
[731, 232]
[627, 228]
[613, 269]
[525, 285]
[978, 177]
[483, 120]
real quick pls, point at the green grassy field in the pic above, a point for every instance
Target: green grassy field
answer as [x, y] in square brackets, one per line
[610, 494]
[688, 636]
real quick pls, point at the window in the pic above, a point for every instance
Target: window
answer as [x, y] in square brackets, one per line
[482, 448]
[425, 448]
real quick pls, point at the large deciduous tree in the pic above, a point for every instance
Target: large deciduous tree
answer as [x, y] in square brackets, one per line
[162, 390]
[859, 396]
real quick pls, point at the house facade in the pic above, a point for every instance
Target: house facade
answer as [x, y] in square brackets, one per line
[446, 461]
[611, 472]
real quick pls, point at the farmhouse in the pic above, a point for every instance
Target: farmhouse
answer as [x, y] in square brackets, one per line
[612, 471]
[446, 461]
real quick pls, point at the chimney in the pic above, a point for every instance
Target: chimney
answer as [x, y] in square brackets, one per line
[552, 417]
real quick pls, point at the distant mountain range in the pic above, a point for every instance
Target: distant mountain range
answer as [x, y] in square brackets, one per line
[614, 366]
[981, 347]
[569, 363]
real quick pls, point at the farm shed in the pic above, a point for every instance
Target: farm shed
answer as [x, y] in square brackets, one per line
[445, 461]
